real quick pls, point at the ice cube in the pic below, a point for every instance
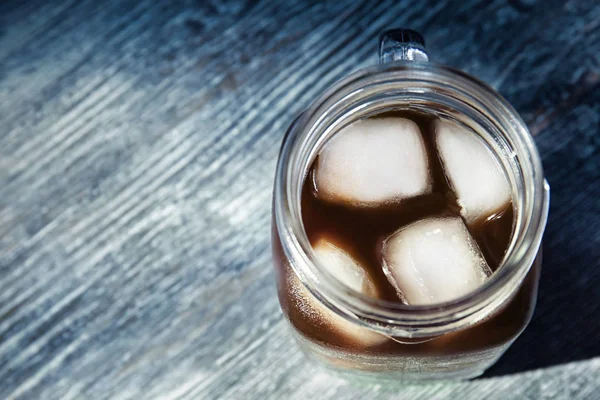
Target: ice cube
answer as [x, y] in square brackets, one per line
[433, 260]
[341, 265]
[474, 173]
[348, 271]
[373, 161]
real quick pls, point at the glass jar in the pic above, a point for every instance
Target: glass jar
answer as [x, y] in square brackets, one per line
[458, 339]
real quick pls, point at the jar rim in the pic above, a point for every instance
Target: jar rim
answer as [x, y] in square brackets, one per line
[395, 318]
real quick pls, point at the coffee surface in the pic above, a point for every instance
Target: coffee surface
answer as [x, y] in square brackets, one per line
[360, 231]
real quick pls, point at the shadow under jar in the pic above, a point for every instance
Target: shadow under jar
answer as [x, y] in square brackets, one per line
[379, 338]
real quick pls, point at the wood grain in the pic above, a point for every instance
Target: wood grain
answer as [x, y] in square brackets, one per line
[137, 152]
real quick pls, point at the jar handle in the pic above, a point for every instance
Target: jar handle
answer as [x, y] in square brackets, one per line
[401, 44]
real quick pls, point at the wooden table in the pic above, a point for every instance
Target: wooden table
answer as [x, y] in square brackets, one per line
[138, 141]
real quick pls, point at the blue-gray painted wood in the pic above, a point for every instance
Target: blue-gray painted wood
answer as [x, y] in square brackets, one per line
[138, 141]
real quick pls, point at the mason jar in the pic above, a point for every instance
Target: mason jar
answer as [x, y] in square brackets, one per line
[457, 339]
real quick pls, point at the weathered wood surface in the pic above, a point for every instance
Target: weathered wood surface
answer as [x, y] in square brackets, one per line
[138, 141]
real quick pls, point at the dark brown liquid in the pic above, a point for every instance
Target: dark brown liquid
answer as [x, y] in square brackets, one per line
[360, 230]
